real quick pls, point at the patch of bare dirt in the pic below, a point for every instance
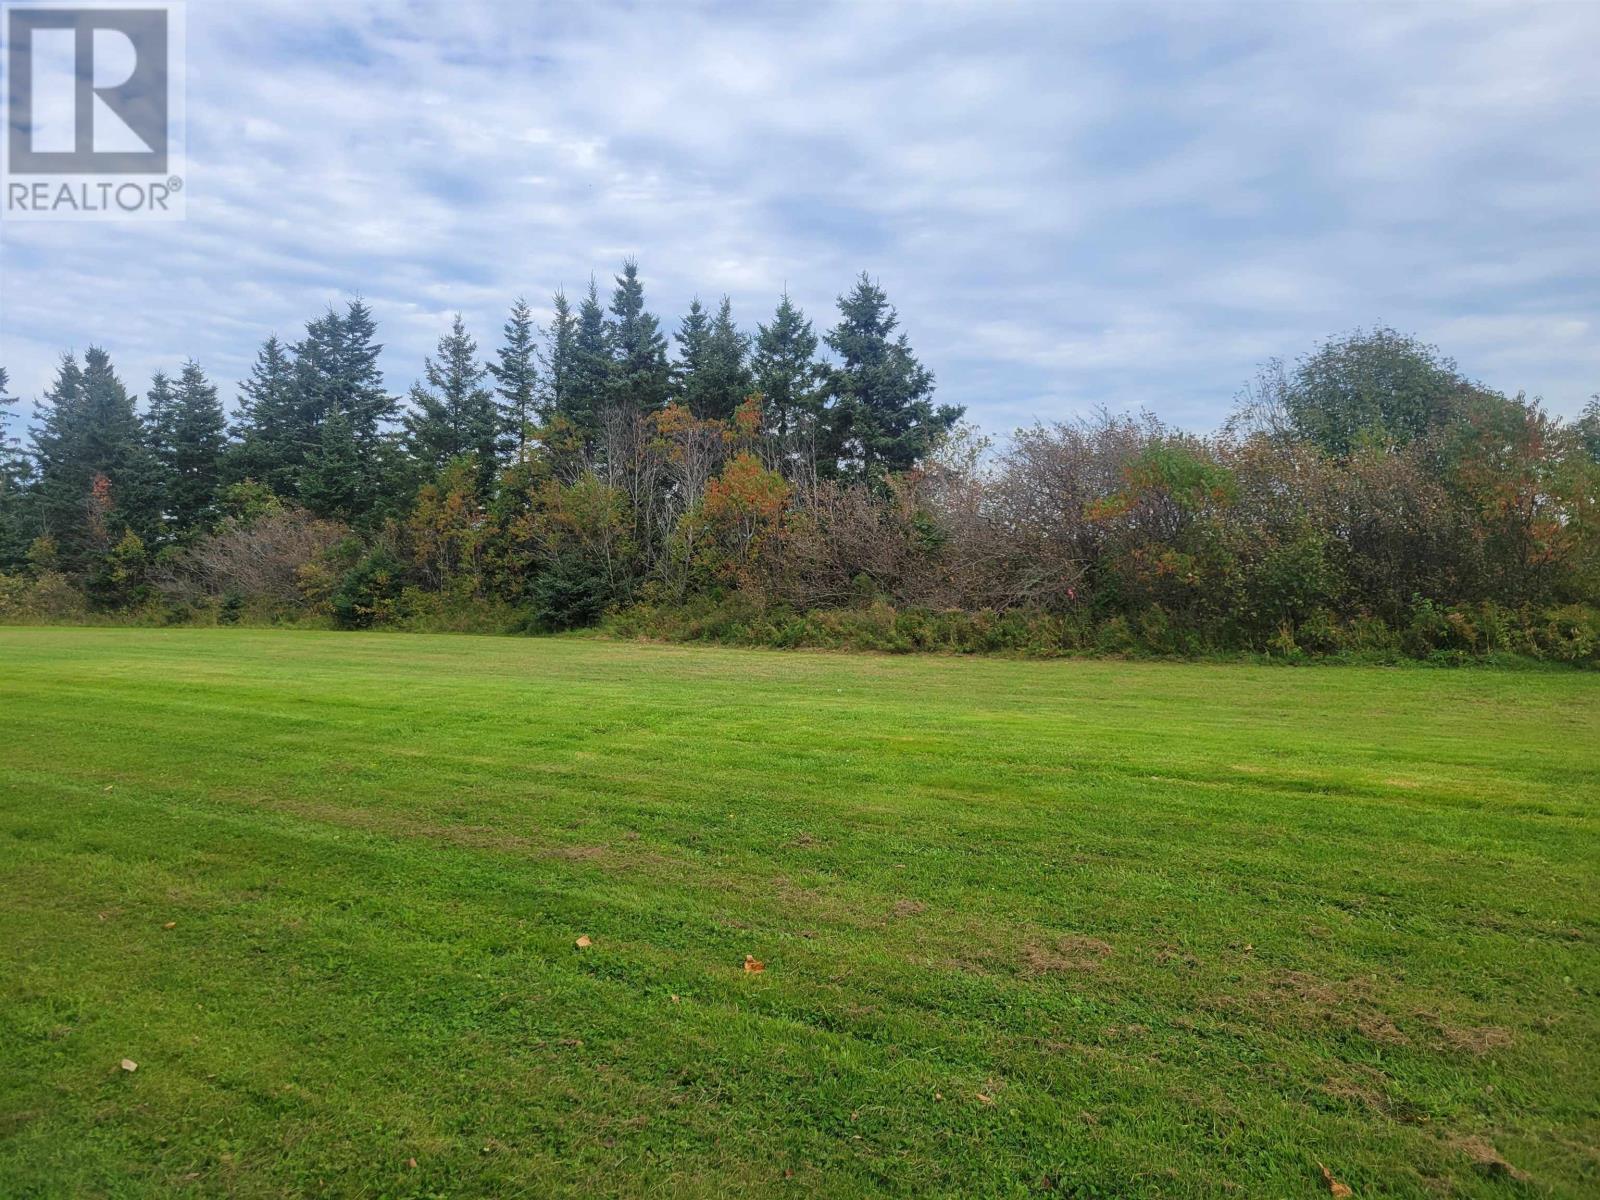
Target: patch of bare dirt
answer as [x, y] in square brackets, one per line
[579, 853]
[1476, 1040]
[1365, 1089]
[1487, 1160]
[1312, 1001]
[1168, 955]
[1369, 1088]
[1072, 952]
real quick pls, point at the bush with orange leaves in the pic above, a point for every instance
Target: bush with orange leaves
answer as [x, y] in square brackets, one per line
[737, 528]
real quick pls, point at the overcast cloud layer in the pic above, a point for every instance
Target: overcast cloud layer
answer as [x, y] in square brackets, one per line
[1071, 206]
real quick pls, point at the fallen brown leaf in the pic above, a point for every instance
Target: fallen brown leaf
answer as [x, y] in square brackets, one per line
[1335, 1188]
[984, 1099]
[412, 1163]
[583, 942]
[753, 964]
[170, 925]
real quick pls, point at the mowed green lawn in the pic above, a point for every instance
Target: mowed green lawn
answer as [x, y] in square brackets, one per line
[1087, 929]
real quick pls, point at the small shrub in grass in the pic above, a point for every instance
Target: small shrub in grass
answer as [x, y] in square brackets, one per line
[569, 594]
[369, 592]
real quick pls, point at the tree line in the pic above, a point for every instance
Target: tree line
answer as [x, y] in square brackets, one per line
[784, 487]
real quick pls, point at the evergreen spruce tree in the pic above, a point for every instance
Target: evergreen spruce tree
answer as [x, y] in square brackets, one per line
[318, 359]
[192, 453]
[13, 483]
[788, 374]
[330, 484]
[454, 414]
[641, 379]
[63, 475]
[269, 442]
[96, 478]
[591, 373]
[694, 331]
[882, 419]
[560, 358]
[360, 392]
[516, 373]
[336, 371]
[160, 405]
[727, 379]
[361, 396]
[10, 446]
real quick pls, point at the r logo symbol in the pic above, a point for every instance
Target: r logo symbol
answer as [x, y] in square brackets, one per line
[88, 91]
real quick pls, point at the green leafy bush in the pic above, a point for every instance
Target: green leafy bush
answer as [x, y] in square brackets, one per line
[571, 593]
[367, 595]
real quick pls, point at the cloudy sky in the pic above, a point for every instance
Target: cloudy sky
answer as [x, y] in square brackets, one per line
[1072, 205]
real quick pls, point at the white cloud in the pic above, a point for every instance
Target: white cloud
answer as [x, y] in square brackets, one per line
[1071, 205]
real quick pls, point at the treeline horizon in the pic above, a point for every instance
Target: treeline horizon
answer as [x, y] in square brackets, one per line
[790, 487]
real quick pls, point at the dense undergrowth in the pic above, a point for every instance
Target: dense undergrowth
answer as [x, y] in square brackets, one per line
[1482, 634]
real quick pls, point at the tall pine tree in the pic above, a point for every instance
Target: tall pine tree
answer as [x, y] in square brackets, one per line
[318, 361]
[454, 414]
[516, 375]
[191, 453]
[363, 399]
[882, 420]
[96, 479]
[727, 379]
[641, 379]
[591, 367]
[270, 442]
[694, 331]
[560, 358]
[58, 456]
[788, 375]
[13, 482]
[330, 483]
[336, 371]
[10, 446]
[160, 403]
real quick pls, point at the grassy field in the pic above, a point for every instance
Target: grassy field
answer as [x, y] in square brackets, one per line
[1078, 929]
